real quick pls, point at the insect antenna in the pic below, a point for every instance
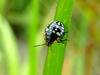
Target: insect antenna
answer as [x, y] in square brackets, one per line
[39, 45]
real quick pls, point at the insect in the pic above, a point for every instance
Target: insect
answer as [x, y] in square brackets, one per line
[54, 32]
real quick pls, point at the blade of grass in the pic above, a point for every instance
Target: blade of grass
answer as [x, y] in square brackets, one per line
[9, 47]
[33, 20]
[2, 3]
[55, 56]
[81, 43]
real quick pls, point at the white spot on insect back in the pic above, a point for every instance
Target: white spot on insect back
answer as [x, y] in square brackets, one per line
[62, 30]
[58, 33]
[54, 22]
[47, 29]
[59, 23]
[61, 33]
[57, 26]
[51, 24]
[62, 27]
[50, 27]
[53, 31]
[50, 30]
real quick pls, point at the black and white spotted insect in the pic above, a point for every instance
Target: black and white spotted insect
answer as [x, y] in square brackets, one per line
[54, 32]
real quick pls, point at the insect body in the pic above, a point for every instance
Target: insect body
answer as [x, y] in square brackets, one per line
[54, 32]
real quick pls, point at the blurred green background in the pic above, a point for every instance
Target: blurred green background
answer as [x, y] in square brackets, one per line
[22, 24]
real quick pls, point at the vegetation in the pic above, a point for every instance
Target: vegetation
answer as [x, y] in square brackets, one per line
[22, 25]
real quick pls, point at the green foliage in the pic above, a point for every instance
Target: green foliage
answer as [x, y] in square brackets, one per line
[81, 37]
[2, 3]
[9, 47]
[23, 21]
[33, 21]
[55, 56]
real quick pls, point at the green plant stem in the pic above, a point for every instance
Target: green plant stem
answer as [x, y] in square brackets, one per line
[55, 56]
[33, 20]
[2, 3]
[9, 46]
[81, 38]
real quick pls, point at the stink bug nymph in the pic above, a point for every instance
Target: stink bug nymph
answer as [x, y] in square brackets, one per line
[54, 32]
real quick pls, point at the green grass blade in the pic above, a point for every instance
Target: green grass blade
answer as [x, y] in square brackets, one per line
[33, 20]
[81, 37]
[2, 3]
[64, 10]
[9, 46]
[55, 57]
